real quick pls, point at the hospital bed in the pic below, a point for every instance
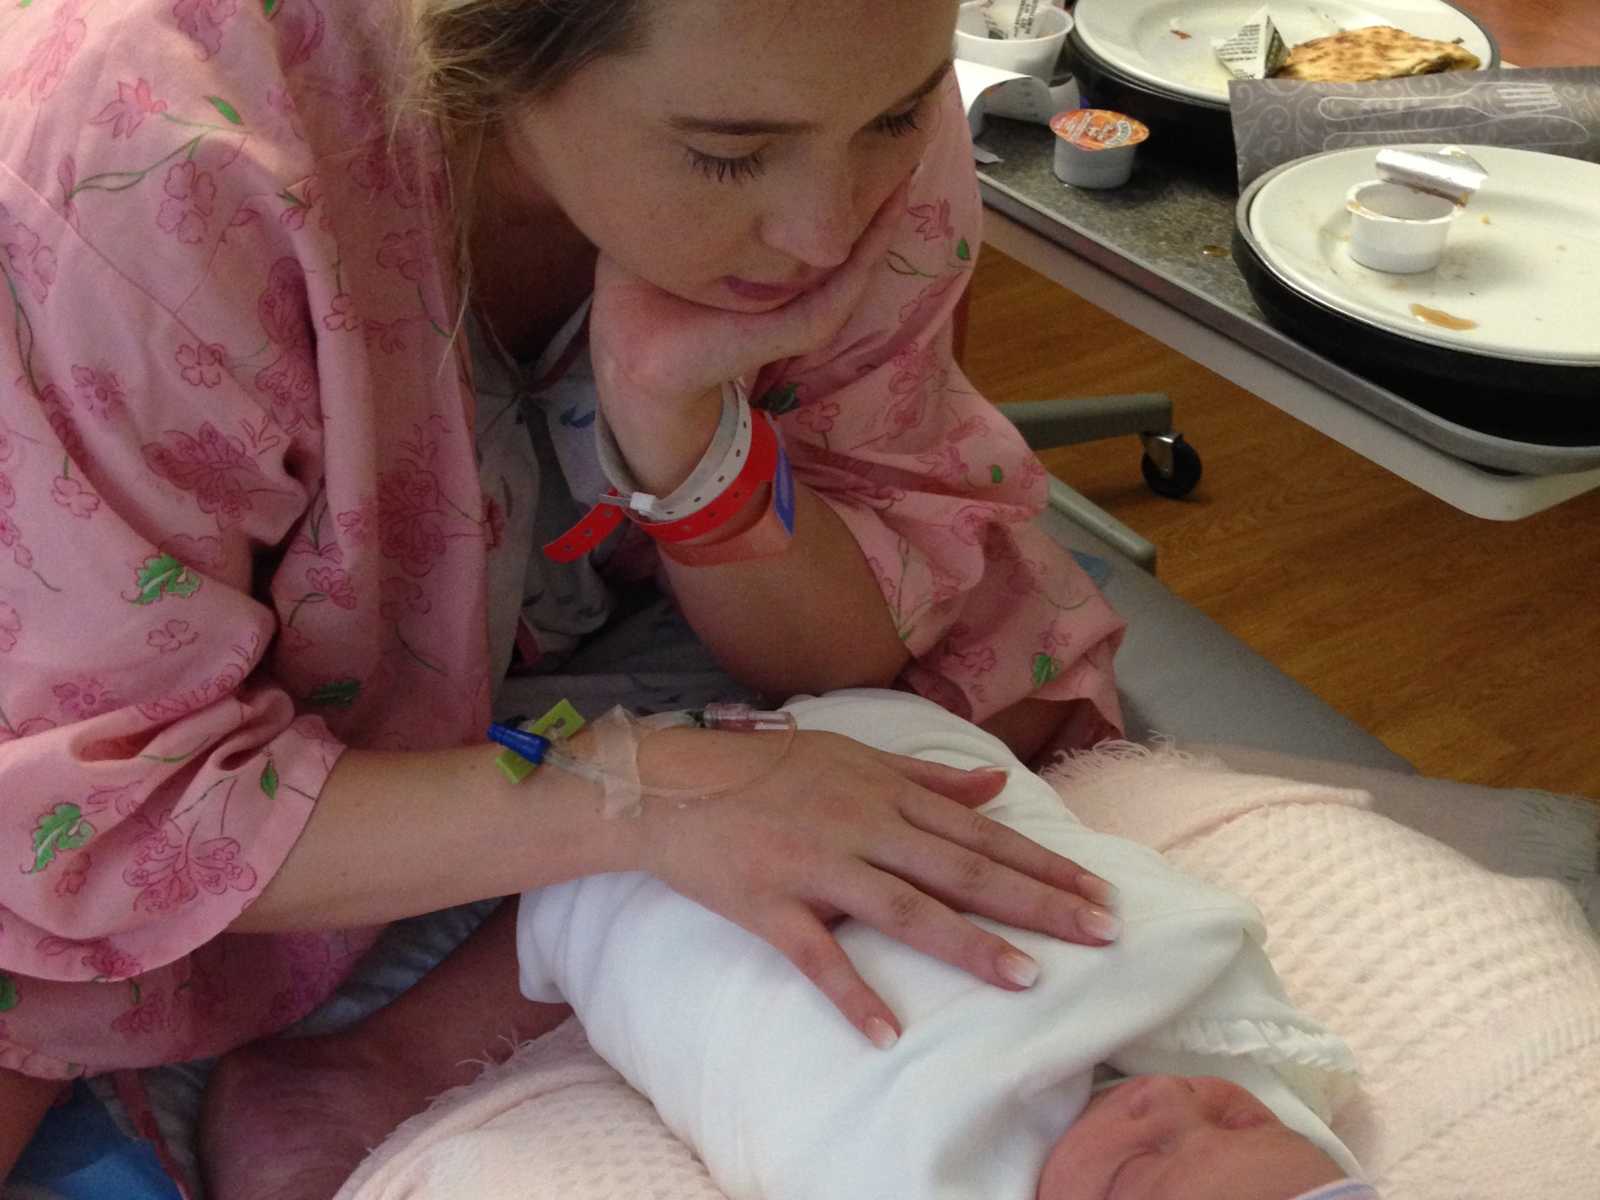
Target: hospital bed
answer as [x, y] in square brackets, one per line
[1181, 677]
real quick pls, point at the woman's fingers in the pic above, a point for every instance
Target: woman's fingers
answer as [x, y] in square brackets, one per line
[661, 346]
[910, 915]
[811, 321]
[990, 838]
[970, 788]
[979, 866]
[801, 937]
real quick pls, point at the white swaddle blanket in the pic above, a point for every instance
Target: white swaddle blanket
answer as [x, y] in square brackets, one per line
[748, 1064]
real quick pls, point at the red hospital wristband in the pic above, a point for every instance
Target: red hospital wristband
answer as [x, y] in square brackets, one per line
[759, 468]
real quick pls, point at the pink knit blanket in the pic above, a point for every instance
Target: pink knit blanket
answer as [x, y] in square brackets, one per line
[1471, 1000]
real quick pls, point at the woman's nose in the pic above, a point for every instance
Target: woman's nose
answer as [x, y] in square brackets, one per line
[816, 224]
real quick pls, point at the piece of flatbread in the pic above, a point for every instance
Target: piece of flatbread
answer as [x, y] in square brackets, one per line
[1377, 52]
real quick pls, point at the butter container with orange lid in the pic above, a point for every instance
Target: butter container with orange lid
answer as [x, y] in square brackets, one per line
[1095, 147]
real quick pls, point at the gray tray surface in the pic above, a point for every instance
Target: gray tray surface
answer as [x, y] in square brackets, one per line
[1162, 233]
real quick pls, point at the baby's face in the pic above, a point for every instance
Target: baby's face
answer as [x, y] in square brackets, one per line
[1162, 1137]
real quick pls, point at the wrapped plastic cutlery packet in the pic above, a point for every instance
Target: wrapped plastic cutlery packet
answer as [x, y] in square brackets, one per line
[1554, 109]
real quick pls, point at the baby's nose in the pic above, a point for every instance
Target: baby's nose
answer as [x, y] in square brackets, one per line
[1158, 1095]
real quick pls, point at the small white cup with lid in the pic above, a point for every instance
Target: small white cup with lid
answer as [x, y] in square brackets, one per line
[1095, 148]
[1398, 229]
[1399, 222]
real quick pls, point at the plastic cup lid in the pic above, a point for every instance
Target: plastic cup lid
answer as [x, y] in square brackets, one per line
[1098, 128]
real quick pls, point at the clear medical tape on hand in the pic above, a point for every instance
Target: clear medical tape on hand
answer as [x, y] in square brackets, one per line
[618, 735]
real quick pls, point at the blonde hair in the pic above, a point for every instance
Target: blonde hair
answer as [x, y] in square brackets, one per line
[467, 64]
[473, 60]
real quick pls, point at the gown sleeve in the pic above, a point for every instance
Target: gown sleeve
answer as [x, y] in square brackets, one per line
[169, 335]
[937, 487]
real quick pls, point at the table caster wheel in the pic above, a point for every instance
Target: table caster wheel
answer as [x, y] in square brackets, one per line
[1171, 466]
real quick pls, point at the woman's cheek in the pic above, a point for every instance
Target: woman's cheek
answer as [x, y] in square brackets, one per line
[893, 166]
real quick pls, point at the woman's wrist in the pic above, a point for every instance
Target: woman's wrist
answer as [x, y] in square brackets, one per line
[662, 443]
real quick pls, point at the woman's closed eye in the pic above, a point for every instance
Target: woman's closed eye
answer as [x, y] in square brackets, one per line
[725, 169]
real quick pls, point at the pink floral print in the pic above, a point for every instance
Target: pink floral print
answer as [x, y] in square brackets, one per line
[201, 363]
[127, 112]
[74, 497]
[291, 378]
[170, 869]
[932, 221]
[241, 522]
[99, 390]
[10, 627]
[203, 21]
[211, 464]
[45, 63]
[341, 315]
[330, 583]
[186, 212]
[408, 252]
[410, 518]
[27, 259]
[172, 636]
[84, 697]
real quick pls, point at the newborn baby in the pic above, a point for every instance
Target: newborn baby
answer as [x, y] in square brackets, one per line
[1167, 1064]
[1199, 1138]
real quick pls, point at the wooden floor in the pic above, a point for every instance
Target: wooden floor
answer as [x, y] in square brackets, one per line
[1470, 647]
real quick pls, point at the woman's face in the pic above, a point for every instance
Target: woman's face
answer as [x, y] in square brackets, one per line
[1165, 1137]
[735, 160]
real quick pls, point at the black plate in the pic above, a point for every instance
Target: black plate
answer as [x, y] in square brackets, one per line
[1182, 129]
[1545, 404]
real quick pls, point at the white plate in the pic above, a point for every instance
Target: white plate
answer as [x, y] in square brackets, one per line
[1143, 38]
[1522, 262]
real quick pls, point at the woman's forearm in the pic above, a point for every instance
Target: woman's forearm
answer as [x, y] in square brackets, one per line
[394, 835]
[815, 619]
[811, 619]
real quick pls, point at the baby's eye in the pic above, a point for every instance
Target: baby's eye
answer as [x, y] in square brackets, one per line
[1122, 1175]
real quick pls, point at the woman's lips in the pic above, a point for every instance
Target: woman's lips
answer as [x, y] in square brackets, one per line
[747, 289]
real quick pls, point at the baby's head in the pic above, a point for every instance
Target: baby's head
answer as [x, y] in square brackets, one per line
[1161, 1137]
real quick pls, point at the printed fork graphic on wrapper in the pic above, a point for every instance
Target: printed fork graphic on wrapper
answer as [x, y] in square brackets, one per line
[1485, 99]
[1524, 130]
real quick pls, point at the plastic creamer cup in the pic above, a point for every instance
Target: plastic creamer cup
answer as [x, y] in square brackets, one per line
[1095, 147]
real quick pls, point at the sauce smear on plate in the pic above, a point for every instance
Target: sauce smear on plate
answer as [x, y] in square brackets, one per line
[1437, 316]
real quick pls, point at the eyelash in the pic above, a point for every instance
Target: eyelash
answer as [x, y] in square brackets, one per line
[738, 170]
[1111, 1184]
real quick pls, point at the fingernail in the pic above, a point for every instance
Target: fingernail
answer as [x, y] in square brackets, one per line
[880, 1033]
[1016, 967]
[1101, 891]
[1098, 923]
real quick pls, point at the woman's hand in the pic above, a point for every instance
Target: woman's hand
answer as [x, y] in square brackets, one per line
[840, 829]
[660, 360]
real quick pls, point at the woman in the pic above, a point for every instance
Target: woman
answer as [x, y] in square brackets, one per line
[261, 503]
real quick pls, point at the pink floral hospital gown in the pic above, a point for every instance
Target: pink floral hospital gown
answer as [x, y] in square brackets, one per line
[241, 523]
